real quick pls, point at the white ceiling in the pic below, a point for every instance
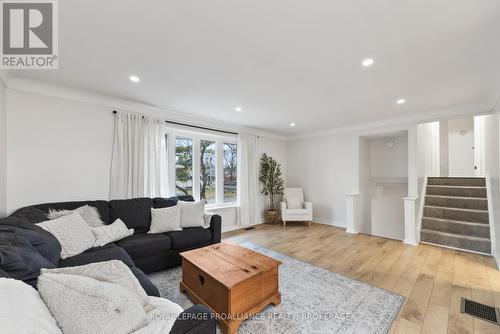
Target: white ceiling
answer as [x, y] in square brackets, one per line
[283, 60]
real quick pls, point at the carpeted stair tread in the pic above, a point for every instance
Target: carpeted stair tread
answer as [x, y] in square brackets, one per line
[456, 227]
[455, 213]
[458, 191]
[457, 202]
[476, 244]
[468, 215]
[464, 181]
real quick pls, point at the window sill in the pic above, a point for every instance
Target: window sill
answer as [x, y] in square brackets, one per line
[220, 206]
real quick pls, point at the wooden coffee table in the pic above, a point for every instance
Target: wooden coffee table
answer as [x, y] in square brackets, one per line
[233, 281]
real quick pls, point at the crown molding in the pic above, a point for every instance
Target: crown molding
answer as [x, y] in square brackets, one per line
[76, 95]
[404, 121]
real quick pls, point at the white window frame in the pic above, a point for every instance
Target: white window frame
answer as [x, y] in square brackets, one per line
[196, 137]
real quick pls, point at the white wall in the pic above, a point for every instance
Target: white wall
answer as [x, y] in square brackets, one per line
[327, 168]
[60, 150]
[389, 161]
[444, 156]
[3, 152]
[460, 146]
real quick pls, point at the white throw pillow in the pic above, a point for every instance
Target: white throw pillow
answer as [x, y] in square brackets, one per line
[88, 213]
[112, 232]
[113, 271]
[165, 220]
[83, 305]
[22, 310]
[72, 232]
[294, 203]
[192, 214]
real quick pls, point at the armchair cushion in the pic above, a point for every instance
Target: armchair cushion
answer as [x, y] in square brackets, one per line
[293, 203]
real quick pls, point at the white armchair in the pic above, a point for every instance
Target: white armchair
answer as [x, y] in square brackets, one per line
[293, 207]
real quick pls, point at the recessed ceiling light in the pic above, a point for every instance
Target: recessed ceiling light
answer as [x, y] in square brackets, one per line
[367, 62]
[292, 124]
[134, 78]
[238, 109]
[401, 101]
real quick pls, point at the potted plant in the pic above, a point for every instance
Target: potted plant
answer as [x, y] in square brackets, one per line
[272, 185]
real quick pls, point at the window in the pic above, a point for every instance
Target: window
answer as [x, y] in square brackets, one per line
[183, 166]
[230, 165]
[208, 176]
[205, 166]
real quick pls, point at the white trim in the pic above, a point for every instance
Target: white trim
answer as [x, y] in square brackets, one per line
[329, 222]
[71, 94]
[477, 109]
[423, 193]
[491, 219]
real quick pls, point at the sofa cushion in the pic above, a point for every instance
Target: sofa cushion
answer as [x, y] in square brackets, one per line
[19, 259]
[160, 202]
[143, 245]
[101, 206]
[196, 319]
[147, 285]
[44, 242]
[135, 213]
[30, 214]
[189, 237]
[98, 254]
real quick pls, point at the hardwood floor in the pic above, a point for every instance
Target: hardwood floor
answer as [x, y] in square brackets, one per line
[432, 279]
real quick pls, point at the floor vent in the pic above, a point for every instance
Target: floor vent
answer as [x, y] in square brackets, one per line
[481, 311]
[249, 228]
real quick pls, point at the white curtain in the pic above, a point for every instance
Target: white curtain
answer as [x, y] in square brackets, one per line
[139, 163]
[248, 187]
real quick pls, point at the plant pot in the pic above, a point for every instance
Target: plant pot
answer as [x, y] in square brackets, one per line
[273, 217]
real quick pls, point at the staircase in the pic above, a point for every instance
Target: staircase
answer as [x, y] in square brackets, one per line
[456, 214]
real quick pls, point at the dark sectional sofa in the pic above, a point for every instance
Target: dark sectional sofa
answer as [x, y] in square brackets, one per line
[25, 247]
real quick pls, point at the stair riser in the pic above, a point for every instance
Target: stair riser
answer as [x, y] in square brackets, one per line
[456, 242]
[456, 228]
[461, 192]
[481, 182]
[467, 216]
[461, 203]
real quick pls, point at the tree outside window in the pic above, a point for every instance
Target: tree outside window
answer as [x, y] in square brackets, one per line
[183, 166]
[208, 173]
[230, 172]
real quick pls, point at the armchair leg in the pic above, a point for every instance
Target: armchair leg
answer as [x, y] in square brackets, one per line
[309, 223]
[284, 223]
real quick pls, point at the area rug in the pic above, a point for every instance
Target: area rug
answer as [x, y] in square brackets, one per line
[314, 301]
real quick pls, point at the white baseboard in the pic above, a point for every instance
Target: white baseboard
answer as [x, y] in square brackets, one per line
[329, 222]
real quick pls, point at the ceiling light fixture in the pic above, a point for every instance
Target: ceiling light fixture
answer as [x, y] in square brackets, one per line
[401, 101]
[292, 124]
[367, 62]
[134, 78]
[238, 109]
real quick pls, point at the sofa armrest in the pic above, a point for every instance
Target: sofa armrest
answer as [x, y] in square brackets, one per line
[195, 320]
[216, 228]
[283, 206]
[308, 206]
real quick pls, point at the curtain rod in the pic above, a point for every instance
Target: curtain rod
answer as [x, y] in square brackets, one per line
[196, 126]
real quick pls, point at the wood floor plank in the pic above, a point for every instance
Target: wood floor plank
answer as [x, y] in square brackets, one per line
[433, 279]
